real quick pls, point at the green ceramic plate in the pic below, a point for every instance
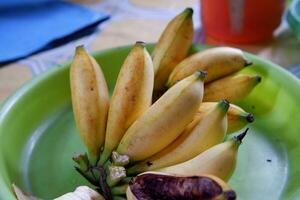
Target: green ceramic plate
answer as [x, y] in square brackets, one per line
[38, 135]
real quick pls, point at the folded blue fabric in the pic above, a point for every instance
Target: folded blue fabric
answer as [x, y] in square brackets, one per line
[35, 26]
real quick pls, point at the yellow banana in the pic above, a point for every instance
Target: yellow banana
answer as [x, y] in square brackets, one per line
[172, 47]
[195, 139]
[217, 62]
[232, 88]
[237, 118]
[163, 122]
[90, 100]
[132, 96]
[219, 160]
[153, 186]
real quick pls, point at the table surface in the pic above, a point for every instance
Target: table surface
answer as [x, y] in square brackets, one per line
[130, 21]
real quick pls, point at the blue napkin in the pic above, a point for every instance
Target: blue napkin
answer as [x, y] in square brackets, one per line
[35, 26]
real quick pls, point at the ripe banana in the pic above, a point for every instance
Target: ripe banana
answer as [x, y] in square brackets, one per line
[237, 118]
[153, 186]
[172, 47]
[195, 139]
[90, 100]
[217, 62]
[132, 96]
[163, 122]
[232, 88]
[219, 160]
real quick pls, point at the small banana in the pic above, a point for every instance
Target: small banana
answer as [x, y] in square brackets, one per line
[90, 100]
[172, 47]
[132, 96]
[237, 118]
[195, 139]
[163, 122]
[219, 160]
[153, 186]
[232, 88]
[217, 62]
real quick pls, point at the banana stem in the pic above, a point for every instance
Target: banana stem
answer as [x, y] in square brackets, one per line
[82, 161]
[104, 156]
[119, 160]
[127, 179]
[119, 190]
[119, 198]
[93, 159]
[115, 175]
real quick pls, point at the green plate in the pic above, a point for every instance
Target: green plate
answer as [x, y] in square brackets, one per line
[38, 135]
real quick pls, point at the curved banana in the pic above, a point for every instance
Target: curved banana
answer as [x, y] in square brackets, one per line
[232, 88]
[172, 47]
[237, 118]
[219, 160]
[90, 100]
[195, 139]
[163, 122]
[153, 186]
[132, 96]
[217, 62]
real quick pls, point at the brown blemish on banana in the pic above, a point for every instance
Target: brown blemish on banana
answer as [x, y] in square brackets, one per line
[163, 187]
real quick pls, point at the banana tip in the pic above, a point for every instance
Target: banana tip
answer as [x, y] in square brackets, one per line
[140, 43]
[248, 63]
[224, 104]
[250, 118]
[229, 195]
[258, 79]
[80, 47]
[201, 74]
[241, 136]
[189, 11]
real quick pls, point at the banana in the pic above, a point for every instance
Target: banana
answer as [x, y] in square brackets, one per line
[217, 62]
[163, 122]
[219, 160]
[172, 47]
[132, 96]
[195, 139]
[153, 186]
[90, 100]
[237, 118]
[232, 88]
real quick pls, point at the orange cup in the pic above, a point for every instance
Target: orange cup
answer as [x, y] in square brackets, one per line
[241, 21]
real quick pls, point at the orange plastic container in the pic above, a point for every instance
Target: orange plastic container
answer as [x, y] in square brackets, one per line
[241, 21]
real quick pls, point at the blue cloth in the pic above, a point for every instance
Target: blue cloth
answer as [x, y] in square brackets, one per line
[30, 27]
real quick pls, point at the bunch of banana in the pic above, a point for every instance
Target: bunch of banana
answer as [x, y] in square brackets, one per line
[178, 134]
